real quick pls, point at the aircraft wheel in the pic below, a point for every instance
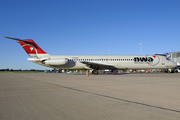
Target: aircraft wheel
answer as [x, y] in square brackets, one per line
[169, 70]
[95, 72]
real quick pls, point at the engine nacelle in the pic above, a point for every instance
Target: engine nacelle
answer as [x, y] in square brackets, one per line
[57, 61]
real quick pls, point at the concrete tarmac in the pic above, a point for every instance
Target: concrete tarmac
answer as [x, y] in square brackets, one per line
[51, 96]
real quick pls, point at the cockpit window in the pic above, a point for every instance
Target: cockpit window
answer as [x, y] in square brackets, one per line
[167, 59]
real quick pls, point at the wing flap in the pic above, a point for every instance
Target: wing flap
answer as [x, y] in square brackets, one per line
[99, 66]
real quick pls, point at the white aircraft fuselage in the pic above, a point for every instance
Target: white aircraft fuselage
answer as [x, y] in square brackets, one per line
[94, 62]
[79, 62]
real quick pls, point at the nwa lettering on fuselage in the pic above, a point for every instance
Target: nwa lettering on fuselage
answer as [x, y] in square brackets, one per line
[143, 59]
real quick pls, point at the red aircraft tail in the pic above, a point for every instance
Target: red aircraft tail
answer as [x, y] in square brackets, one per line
[29, 46]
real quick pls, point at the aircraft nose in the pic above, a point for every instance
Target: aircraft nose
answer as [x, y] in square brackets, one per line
[173, 64]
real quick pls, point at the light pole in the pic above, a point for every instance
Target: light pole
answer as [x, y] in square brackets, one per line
[109, 51]
[140, 48]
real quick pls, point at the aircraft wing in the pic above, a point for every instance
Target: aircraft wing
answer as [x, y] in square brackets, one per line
[98, 66]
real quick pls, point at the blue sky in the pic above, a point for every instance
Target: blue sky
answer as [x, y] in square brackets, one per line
[88, 27]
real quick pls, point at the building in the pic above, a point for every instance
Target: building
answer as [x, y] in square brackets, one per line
[175, 56]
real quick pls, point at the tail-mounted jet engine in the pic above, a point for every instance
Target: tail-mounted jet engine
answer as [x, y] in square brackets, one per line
[56, 61]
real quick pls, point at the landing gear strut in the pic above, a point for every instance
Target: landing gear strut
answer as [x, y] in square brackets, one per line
[95, 72]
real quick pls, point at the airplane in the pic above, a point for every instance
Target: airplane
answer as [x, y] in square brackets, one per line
[93, 62]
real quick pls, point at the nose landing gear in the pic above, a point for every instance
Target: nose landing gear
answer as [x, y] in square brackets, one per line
[95, 72]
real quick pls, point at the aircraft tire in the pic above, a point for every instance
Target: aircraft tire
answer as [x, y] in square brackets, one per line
[95, 72]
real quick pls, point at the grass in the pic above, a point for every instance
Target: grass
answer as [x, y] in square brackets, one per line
[20, 72]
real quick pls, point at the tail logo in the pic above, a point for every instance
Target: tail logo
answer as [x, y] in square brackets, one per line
[30, 49]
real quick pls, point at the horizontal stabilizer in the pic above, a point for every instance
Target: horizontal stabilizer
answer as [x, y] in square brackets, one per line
[18, 39]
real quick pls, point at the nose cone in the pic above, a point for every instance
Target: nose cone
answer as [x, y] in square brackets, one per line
[173, 64]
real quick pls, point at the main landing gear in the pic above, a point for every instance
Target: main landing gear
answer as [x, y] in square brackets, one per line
[171, 71]
[95, 72]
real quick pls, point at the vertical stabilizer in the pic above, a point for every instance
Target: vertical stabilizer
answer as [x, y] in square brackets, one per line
[32, 49]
